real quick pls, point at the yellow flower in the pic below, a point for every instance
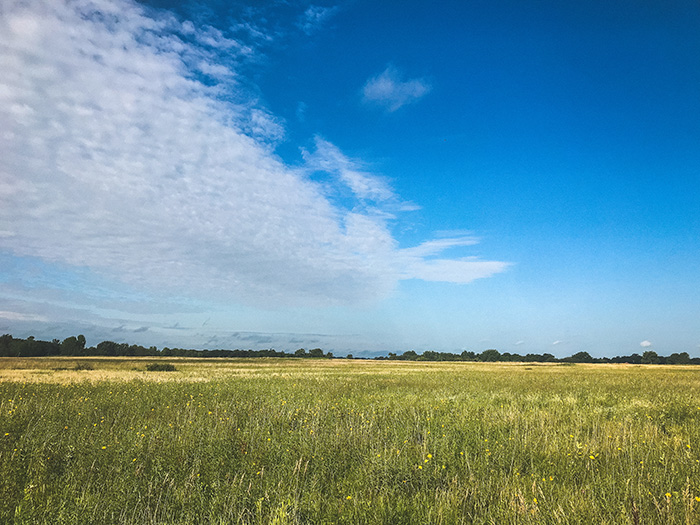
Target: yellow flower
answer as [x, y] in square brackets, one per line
[430, 456]
[104, 448]
[697, 498]
[348, 497]
[668, 494]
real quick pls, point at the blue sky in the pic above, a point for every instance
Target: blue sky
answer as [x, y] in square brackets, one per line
[367, 177]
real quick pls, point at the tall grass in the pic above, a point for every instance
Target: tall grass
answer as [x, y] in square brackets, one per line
[348, 442]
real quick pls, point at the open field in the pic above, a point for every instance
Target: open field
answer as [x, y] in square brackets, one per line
[338, 441]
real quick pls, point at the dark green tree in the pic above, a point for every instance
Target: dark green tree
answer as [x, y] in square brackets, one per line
[650, 358]
[315, 352]
[579, 357]
[490, 355]
[678, 359]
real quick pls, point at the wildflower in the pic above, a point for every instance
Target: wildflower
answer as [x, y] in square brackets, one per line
[104, 448]
[430, 456]
[697, 498]
[668, 495]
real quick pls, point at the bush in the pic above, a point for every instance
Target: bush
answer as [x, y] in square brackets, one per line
[160, 367]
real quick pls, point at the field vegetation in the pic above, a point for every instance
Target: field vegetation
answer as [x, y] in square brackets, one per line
[105, 440]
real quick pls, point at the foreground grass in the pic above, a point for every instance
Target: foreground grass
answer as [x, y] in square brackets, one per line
[305, 441]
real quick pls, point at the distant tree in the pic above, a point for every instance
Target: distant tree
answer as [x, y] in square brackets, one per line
[6, 346]
[430, 355]
[300, 353]
[678, 359]
[650, 358]
[315, 352]
[108, 348]
[579, 357]
[410, 355]
[490, 355]
[329, 355]
[70, 346]
[466, 355]
[349, 356]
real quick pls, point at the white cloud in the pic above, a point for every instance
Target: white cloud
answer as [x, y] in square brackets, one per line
[645, 344]
[330, 159]
[18, 316]
[391, 92]
[117, 159]
[314, 17]
[417, 264]
[557, 342]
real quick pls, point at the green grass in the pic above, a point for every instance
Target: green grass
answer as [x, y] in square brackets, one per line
[285, 441]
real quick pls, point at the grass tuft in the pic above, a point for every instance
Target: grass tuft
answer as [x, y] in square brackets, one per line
[160, 367]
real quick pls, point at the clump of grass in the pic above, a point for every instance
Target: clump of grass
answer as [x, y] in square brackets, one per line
[83, 366]
[161, 367]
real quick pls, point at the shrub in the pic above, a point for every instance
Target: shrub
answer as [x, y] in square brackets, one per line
[160, 367]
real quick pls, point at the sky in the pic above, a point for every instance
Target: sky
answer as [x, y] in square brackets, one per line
[365, 177]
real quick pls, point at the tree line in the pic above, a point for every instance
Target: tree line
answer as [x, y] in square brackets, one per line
[76, 346]
[492, 356]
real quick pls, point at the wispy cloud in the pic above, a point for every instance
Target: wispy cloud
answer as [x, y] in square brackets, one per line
[363, 184]
[418, 262]
[645, 344]
[18, 316]
[390, 91]
[315, 17]
[119, 160]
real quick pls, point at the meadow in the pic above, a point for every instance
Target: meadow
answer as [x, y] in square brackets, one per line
[271, 441]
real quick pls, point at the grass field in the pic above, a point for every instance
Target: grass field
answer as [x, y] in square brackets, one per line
[337, 441]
